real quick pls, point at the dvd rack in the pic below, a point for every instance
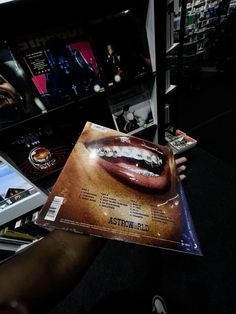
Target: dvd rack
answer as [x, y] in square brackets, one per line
[120, 49]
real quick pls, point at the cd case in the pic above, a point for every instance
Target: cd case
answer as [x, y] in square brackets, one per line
[18, 195]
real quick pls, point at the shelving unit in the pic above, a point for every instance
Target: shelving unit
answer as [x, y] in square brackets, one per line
[198, 34]
[144, 11]
[172, 49]
[201, 18]
[64, 122]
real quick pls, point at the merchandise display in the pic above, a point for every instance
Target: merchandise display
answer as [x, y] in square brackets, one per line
[18, 102]
[122, 51]
[61, 64]
[110, 189]
[38, 152]
[83, 67]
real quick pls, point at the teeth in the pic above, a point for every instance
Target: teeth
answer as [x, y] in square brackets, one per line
[147, 158]
[154, 159]
[137, 154]
[108, 152]
[115, 151]
[159, 162]
[128, 152]
[144, 172]
[100, 152]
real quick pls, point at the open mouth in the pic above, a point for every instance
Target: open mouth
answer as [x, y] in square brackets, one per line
[131, 160]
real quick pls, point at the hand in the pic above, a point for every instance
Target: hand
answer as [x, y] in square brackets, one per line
[180, 167]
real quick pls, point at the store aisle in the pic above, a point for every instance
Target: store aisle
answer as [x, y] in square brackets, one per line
[208, 113]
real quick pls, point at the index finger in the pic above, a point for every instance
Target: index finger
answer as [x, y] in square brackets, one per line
[180, 160]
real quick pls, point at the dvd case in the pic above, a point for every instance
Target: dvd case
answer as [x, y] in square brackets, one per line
[38, 152]
[131, 109]
[124, 188]
[18, 195]
[180, 142]
[121, 45]
[61, 64]
[18, 101]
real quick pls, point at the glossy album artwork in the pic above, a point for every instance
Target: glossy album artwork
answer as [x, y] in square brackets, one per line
[121, 46]
[38, 152]
[131, 110]
[18, 101]
[121, 187]
[61, 64]
[180, 142]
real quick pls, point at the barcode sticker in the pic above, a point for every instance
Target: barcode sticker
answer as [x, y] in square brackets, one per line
[54, 208]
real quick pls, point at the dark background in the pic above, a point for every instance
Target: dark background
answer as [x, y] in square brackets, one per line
[125, 277]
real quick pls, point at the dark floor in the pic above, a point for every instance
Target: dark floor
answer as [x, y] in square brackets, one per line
[124, 277]
[207, 112]
[207, 106]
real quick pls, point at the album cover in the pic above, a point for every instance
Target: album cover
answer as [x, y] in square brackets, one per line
[12, 241]
[181, 142]
[131, 110]
[121, 45]
[6, 246]
[38, 152]
[9, 233]
[61, 64]
[18, 195]
[121, 187]
[169, 136]
[25, 227]
[18, 101]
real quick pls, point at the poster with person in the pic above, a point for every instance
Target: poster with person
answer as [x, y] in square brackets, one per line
[18, 100]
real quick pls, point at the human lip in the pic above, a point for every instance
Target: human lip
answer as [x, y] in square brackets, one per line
[134, 161]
